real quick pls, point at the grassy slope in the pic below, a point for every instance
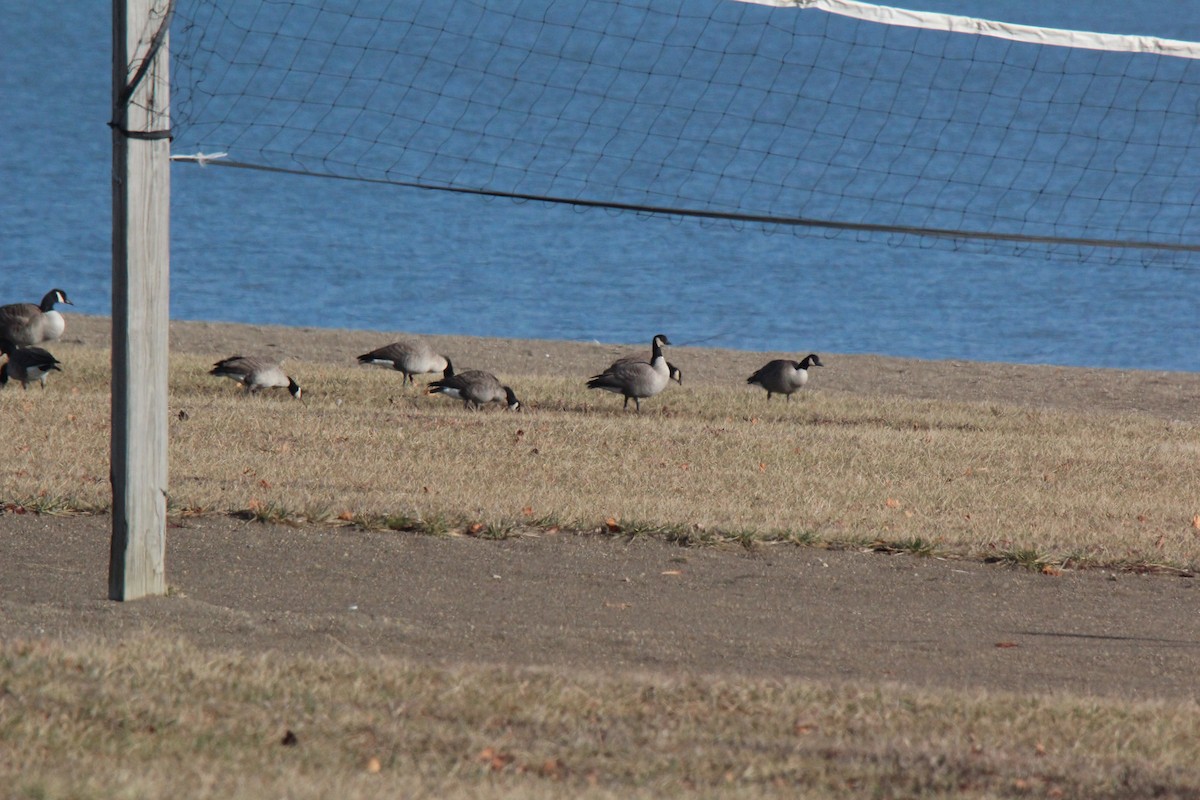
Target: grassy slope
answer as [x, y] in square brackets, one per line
[975, 480]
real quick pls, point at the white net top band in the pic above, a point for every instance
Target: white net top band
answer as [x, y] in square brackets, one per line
[932, 20]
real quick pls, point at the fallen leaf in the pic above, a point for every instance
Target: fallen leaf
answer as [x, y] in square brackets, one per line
[892, 502]
[1196, 522]
[346, 516]
[1050, 569]
[527, 511]
[762, 466]
[373, 765]
[264, 483]
[475, 528]
[612, 525]
[671, 572]
[1006, 644]
[495, 759]
[289, 739]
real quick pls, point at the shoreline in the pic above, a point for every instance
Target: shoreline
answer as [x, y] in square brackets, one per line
[1168, 395]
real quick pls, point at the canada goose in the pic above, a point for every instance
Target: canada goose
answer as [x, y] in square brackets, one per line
[475, 388]
[411, 357]
[635, 378]
[23, 324]
[255, 374]
[27, 364]
[784, 376]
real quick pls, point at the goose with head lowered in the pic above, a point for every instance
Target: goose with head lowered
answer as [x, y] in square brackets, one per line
[410, 357]
[634, 378]
[24, 324]
[475, 388]
[255, 374]
[27, 364]
[784, 376]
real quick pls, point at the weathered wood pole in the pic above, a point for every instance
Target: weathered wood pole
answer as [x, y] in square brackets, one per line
[141, 125]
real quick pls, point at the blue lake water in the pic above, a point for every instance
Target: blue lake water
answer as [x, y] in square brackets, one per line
[265, 248]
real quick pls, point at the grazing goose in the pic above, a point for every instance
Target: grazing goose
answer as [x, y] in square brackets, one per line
[409, 357]
[784, 376]
[475, 388]
[28, 364]
[255, 374]
[23, 324]
[634, 378]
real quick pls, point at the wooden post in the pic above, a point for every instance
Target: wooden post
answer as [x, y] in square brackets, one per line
[141, 124]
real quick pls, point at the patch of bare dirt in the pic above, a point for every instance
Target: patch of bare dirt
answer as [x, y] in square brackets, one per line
[597, 603]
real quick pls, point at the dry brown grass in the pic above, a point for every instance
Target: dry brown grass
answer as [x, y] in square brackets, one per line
[148, 718]
[701, 464]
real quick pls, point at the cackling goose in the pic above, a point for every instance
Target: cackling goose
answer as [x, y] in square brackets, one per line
[255, 374]
[475, 388]
[784, 376]
[634, 378]
[412, 357]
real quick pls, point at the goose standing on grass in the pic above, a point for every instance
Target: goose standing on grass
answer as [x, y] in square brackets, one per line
[28, 364]
[784, 376]
[411, 357]
[634, 378]
[23, 324]
[475, 388]
[255, 374]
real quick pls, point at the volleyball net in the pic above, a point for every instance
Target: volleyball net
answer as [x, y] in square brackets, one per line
[830, 117]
